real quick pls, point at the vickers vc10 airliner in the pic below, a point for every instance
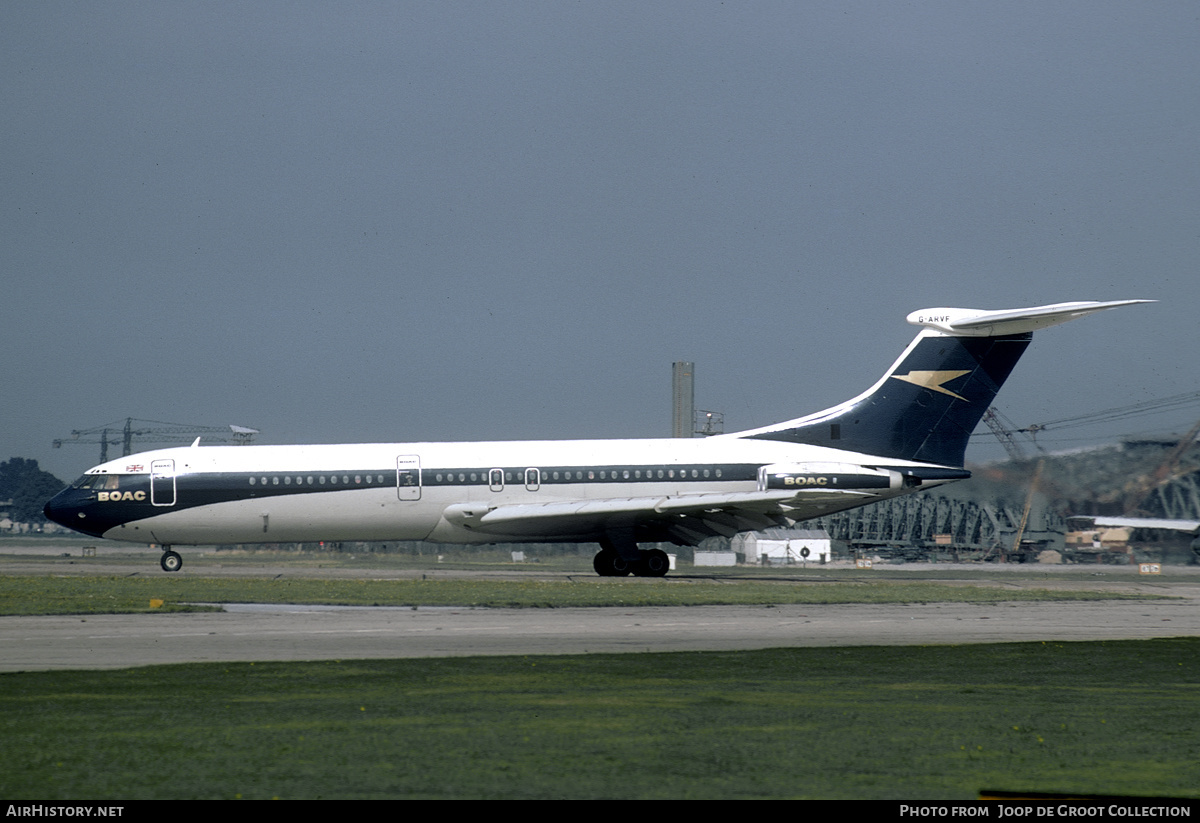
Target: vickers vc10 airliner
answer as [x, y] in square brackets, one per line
[906, 433]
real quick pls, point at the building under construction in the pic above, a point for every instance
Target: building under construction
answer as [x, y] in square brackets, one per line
[919, 526]
[1011, 512]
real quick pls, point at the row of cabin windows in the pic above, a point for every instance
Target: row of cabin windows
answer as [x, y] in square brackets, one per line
[319, 480]
[475, 477]
[591, 474]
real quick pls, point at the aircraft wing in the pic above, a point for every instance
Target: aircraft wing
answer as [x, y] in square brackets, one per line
[684, 518]
[1191, 526]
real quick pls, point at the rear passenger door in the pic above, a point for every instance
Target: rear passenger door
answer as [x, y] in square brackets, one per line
[408, 477]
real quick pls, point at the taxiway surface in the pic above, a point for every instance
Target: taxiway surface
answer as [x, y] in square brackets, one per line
[262, 632]
[253, 632]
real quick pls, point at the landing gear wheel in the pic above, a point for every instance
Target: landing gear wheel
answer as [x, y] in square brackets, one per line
[171, 562]
[608, 563]
[602, 562]
[621, 567]
[655, 563]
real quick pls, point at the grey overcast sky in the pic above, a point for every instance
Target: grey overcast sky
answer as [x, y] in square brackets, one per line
[395, 221]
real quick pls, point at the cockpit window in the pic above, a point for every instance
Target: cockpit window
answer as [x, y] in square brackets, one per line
[98, 481]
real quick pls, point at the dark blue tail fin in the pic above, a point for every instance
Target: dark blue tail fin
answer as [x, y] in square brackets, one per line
[924, 409]
[930, 401]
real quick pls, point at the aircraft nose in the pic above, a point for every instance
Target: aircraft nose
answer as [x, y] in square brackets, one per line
[67, 509]
[54, 510]
[76, 509]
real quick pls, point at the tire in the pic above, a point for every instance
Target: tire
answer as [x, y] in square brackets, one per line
[620, 566]
[656, 563]
[602, 563]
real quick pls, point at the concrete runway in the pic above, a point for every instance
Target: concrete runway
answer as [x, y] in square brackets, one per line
[255, 632]
[261, 632]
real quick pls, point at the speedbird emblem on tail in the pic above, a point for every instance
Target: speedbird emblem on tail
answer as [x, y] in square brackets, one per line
[906, 433]
[933, 380]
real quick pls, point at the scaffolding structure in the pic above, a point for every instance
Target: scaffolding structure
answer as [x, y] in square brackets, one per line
[912, 526]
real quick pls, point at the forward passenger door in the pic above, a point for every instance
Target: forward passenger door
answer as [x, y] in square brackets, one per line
[162, 483]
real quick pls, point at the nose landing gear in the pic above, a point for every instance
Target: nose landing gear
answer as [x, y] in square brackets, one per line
[170, 561]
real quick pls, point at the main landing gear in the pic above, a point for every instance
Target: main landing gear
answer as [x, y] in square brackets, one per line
[612, 562]
[170, 561]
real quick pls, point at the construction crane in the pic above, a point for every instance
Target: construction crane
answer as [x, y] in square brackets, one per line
[154, 431]
[1004, 429]
[1033, 484]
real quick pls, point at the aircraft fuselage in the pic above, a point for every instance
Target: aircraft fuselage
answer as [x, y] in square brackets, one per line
[443, 491]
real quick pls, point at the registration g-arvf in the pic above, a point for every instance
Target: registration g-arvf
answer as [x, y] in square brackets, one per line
[906, 433]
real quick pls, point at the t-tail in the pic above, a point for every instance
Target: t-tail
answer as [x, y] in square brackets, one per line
[928, 403]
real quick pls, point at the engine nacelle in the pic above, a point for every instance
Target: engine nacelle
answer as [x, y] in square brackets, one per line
[832, 476]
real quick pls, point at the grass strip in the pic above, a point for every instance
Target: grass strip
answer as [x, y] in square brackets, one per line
[111, 595]
[937, 722]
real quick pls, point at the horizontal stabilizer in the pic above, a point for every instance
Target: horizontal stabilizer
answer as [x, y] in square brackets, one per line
[978, 323]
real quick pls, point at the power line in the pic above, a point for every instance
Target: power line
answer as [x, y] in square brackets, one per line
[1178, 401]
[1139, 409]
